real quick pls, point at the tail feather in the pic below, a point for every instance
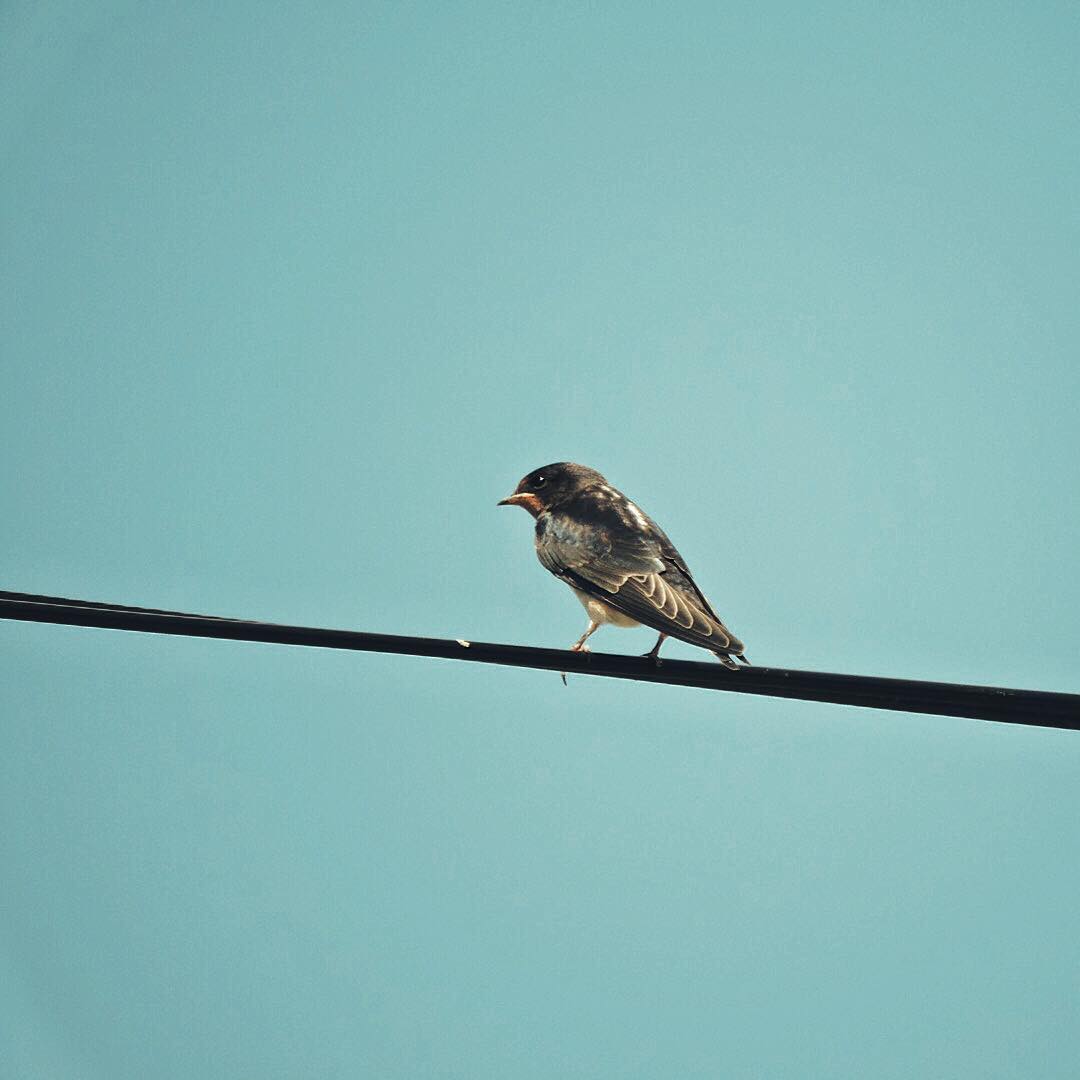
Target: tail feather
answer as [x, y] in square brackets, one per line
[728, 662]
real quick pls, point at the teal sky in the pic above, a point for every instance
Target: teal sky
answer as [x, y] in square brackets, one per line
[293, 295]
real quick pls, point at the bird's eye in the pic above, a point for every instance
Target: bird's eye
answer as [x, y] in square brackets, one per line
[539, 481]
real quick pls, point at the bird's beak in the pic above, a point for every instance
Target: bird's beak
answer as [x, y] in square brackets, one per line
[522, 498]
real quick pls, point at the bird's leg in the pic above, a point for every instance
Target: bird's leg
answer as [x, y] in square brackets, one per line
[654, 653]
[579, 645]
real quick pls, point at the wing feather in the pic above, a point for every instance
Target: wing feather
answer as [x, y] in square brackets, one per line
[635, 571]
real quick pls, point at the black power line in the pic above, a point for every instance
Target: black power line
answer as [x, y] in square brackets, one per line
[1037, 708]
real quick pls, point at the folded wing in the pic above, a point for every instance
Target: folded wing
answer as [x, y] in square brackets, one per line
[637, 573]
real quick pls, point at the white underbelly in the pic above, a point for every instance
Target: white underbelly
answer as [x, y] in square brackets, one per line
[601, 613]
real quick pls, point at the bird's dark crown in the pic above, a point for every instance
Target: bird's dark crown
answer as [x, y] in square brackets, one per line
[555, 484]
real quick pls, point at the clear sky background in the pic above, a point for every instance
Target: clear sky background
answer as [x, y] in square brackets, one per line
[293, 294]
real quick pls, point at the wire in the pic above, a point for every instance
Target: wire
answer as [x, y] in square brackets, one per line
[1037, 708]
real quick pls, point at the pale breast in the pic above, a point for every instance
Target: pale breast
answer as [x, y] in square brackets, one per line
[600, 612]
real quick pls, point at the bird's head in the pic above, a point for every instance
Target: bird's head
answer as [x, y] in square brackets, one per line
[549, 487]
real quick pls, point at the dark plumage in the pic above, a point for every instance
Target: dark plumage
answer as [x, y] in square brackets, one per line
[617, 560]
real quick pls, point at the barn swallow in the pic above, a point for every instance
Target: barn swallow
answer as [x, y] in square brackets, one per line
[618, 561]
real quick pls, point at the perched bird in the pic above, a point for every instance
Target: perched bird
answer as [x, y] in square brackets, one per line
[620, 564]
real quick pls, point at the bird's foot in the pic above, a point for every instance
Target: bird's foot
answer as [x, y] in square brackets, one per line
[579, 646]
[654, 653]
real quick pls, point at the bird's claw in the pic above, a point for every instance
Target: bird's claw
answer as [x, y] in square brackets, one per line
[578, 647]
